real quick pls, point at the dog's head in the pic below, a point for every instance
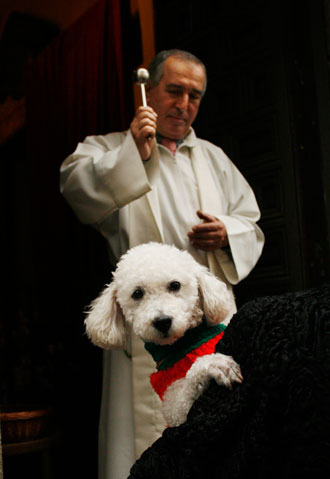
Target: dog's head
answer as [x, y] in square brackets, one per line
[161, 292]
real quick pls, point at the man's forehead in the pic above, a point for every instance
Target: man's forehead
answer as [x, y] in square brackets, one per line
[181, 72]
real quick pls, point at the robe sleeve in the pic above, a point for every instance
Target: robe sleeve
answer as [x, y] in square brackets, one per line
[103, 174]
[240, 216]
[246, 242]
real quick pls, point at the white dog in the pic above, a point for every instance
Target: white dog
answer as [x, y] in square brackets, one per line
[163, 294]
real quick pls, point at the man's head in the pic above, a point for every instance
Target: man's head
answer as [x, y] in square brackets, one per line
[176, 87]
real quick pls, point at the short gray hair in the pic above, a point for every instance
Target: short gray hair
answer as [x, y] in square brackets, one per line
[156, 66]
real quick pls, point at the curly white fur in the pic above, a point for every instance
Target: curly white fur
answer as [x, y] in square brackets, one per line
[152, 282]
[181, 395]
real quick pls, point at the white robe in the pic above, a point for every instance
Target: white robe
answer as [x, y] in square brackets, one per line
[131, 202]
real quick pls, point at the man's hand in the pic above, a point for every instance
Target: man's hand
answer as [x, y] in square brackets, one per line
[209, 235]
[143, 129]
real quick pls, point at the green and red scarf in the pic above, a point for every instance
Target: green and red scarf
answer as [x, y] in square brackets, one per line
[174, 361]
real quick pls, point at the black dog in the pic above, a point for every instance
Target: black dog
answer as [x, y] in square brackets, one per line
[276, 424]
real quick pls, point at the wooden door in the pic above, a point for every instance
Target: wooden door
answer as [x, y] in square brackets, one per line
[252, 109]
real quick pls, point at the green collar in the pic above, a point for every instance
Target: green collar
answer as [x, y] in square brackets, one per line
[167, 355]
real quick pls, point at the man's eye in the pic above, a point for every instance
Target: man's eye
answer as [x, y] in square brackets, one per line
[194, 97]
[174, 286]
[138, 294]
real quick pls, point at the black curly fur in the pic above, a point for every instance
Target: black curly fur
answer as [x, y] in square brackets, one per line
[276, 424]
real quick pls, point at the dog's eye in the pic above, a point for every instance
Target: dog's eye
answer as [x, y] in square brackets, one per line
[174, 286]
[138, 294]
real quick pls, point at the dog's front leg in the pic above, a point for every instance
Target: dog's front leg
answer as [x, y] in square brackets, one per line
[181, 395]
[177, 401]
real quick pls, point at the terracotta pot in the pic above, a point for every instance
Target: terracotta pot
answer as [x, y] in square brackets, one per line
[23, 423]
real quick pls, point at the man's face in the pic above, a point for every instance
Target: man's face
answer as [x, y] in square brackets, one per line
[177, 97]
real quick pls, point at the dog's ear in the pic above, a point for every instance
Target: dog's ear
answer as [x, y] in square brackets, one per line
[216, 298]
[105, 323]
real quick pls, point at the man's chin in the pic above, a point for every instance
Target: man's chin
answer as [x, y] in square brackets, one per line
[175, 133]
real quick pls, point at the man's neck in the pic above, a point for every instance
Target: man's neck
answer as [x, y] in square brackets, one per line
[159, 139]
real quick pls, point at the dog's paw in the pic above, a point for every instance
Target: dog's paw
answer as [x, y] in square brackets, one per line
[180, 395]
[223, 369]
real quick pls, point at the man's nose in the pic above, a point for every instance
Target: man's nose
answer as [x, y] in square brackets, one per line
[183, 101]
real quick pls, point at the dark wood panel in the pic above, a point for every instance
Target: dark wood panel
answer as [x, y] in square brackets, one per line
[258, 103]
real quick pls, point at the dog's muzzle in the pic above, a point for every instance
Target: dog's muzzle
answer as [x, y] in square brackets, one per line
[162, 324]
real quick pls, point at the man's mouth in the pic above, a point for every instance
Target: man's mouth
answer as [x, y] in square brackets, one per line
[178, 119]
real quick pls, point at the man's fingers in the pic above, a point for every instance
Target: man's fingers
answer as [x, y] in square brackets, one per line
[145, 111]
[208, 242]
[148, 132]
[147, 121]
[205, 216]
[206, 245]
[205, 235]
[206, 227]
[144, 117]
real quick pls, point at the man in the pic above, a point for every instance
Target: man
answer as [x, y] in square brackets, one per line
[159, 182]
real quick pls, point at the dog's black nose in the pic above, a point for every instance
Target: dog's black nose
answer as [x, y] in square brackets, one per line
[162, 323]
